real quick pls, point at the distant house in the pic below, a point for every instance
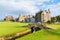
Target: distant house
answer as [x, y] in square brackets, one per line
[21, 18]
[30, 20]
[26, 18]
[16, 19]
[43, 16]
[9, 18]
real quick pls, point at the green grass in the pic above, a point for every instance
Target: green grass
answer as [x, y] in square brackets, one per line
[44, 34]
[41, 35]
[11, 27]
[56, 31]
[54, 25]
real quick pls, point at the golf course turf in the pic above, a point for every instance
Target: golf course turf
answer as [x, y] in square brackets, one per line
[44, 34]
[41, 35]
[14, 27]
[7, 28]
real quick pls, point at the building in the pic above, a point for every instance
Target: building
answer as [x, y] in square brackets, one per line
[27, 18]
[43, 16]
[21, 18]
[30, 19]
[9, 18]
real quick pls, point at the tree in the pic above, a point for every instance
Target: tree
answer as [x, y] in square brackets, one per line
[58, 18]
[4, 19]
[53, 19]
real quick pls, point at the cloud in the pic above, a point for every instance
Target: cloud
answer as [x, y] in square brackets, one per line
[12, 7]
[54, 8]
[17, 5]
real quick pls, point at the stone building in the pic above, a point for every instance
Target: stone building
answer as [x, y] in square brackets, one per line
[25, 18]
[43, 16]
[9, 18]
[30, 18]
[21, 18]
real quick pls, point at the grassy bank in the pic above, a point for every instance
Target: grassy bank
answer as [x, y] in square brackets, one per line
[44, 34]
[54, 25]
[11, 27]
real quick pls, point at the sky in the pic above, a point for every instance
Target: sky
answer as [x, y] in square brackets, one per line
[16, 7]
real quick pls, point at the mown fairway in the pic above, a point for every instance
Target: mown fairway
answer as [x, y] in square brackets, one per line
[14, 27]
[44, 34]
[11, 27]
[55, 26]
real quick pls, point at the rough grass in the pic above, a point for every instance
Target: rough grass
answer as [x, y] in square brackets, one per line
[56, 31]
[41, 35]
[44, 34]
[11, 27]
[54, 25]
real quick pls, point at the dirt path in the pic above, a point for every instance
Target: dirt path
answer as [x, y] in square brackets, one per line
[16, 35]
